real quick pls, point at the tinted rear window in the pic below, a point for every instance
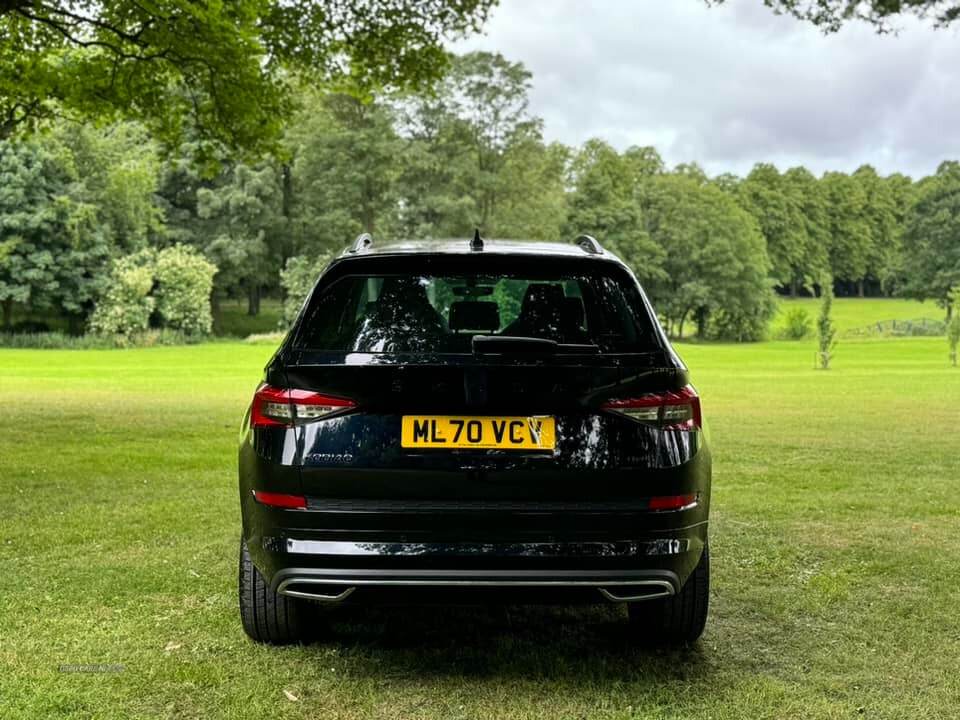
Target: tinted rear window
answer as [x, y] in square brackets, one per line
[440, 313]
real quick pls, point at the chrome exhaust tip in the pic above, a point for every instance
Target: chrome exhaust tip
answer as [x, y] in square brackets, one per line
[648, 590]
[314, 590]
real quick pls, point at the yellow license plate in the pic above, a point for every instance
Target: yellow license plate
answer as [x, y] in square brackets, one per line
[482, 433]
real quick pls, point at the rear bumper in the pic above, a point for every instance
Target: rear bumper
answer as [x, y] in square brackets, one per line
[335, 586]
[602, 549]
[309, 565]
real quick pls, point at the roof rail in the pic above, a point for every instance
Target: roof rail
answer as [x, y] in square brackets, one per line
[477, 243]
[589, 244]
[363, 241]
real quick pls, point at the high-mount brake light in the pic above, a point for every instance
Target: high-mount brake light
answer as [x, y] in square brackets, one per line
[672, 410]
[286, 407]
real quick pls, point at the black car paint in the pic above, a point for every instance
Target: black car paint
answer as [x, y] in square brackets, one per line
[377, 511]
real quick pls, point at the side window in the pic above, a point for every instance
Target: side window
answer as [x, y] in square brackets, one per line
[332, 319]
[612, 314]
[369, 293]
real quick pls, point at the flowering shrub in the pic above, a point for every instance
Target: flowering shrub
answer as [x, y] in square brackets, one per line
[126, 304]
[184, 280]
[171, 287]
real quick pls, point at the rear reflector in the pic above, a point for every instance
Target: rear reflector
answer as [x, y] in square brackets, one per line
[672, 502]
[279, 499]
[673, 410]
[286, 407]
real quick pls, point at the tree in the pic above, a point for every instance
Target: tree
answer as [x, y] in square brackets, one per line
[881, 215]
[224, 66]
[715, 261]
[728, 182]
[343, 172]
[831, 15]
[297, 279]
[953, 327]
[692, 171]
[606, 202]
[791, 211]
[245, 230]
[644, 162]
[903, 192]
[826, 333]
[807, 195]
[117, 171]
[488, 94]
[184, 171]
[32, 183]
[532, 201]
[931, 240]
[52, 252]
[850, 231]
[474, 157]
[766, 196]
[434, 182]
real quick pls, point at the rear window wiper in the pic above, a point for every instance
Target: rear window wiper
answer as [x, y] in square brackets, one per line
[506, 344]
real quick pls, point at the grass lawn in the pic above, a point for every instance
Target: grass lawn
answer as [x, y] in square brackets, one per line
[848, 314]
[836, 570]
[234, 321]
[855, 313]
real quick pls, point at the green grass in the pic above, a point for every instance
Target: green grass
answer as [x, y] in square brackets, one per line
[855, 313]
[836, 578]
[234, 321]
[848, 314]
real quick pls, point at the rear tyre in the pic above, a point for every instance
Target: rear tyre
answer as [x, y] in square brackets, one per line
[267, 616]
[677, 619]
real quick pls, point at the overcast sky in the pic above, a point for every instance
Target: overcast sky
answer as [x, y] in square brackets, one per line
[733, 85]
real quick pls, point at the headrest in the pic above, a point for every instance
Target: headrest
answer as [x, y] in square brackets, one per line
[474, 315]
[402, 290]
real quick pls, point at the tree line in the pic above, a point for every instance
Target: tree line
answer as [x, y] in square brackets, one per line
[81, 204]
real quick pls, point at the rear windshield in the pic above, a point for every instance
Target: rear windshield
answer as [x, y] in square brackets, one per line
[418, 313]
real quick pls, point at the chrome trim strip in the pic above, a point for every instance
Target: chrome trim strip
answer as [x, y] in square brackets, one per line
[643, 548]
[507, 582]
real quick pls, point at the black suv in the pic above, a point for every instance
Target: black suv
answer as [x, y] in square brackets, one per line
[471, 421]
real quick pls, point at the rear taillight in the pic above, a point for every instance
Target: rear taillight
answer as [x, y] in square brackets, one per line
[661, 503]
[286, 407]
[280, 500]
[673, 410]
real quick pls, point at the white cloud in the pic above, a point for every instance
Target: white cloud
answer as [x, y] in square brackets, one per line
[733, 85]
